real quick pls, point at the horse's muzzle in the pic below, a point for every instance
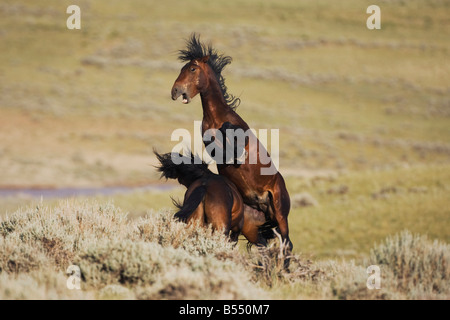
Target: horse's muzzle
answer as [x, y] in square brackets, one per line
[175, 93]
[178, 91]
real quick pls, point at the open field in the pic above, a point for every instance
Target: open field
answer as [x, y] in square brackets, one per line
[364, 119]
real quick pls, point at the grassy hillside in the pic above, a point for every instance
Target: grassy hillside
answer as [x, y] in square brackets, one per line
[363, 114]
[84, 107]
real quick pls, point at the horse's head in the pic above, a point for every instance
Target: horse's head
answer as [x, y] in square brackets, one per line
[192, 80]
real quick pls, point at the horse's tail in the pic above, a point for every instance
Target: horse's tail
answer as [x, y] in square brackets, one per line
[190, 204]
[187, 171]
[168, 168]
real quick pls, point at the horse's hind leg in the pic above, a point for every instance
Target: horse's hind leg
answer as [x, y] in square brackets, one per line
[280, 204]
[218, 214]
[281, 218]
[281, 210]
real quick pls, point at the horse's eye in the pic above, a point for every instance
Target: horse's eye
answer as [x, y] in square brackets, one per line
[193, 69]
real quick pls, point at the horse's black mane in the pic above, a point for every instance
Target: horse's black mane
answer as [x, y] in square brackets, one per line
[186, 172]
[196, 50]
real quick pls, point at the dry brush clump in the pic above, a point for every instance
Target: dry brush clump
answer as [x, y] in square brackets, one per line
[411, 267]
[276, 265]
[151, 258]
[164, 230]
[156, 272]
[418, 267]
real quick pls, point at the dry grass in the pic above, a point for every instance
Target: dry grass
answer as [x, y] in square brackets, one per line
[158, 258]
[153, 258]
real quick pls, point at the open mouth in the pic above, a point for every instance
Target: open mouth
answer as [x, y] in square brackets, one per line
[185, 98]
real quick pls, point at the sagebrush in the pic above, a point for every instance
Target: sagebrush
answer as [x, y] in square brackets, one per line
[156, 257]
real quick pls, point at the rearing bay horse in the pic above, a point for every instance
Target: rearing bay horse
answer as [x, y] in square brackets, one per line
[266, 194]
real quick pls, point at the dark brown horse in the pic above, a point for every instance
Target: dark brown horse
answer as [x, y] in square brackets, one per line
[266, 194]
[213, 199]
[209, 198]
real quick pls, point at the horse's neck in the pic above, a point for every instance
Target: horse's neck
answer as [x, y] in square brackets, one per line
[215, 108]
